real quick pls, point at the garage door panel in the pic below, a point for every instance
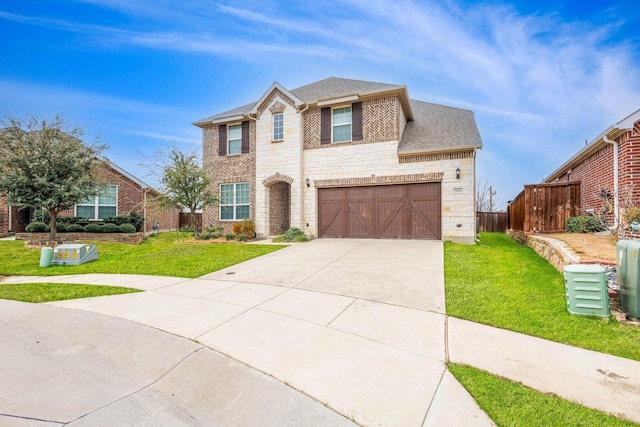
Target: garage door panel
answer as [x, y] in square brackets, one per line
[391, 211]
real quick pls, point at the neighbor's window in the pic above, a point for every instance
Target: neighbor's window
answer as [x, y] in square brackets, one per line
[278, 126]
[234, 139]
[341, 124]
[100, 207]
[234, 201]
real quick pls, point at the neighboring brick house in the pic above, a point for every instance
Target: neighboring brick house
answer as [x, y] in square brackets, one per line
[124, 194]
[608, 168]
[344, 158]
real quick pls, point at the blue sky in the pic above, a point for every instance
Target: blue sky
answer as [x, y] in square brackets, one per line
[542, 77]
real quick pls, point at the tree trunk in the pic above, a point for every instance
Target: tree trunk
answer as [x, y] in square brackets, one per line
[193, 222]
[53, 218]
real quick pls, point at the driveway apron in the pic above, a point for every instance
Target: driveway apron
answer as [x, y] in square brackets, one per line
[358, 325]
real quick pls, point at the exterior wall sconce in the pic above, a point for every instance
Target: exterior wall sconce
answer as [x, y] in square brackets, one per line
[308, 182]
[457, 173]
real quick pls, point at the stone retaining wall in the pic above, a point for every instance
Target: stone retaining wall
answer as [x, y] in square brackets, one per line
[556, 252]
[129, 238]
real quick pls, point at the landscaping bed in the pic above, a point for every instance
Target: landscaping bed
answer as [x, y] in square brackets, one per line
[42, 239]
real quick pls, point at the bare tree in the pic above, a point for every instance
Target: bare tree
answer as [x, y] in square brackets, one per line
[486, 199]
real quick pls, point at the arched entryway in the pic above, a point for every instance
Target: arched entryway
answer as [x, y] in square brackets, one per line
[279, 207]
[279, 195]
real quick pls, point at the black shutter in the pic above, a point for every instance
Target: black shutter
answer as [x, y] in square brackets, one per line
[245, 137]
[325, 125]
[356, 121]
[222, 140]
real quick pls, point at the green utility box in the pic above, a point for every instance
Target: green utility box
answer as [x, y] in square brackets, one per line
[46, 254]
[74, 254]
[628, 276]
[586, 290]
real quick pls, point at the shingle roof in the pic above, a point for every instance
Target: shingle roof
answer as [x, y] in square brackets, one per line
[335, 87]
[438, 128]
[433, 128]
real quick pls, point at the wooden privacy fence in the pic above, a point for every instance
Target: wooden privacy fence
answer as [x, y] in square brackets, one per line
[544, 208]
[492, 222]
[185, 217]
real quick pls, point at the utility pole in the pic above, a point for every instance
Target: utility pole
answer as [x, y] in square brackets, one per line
[491, 194]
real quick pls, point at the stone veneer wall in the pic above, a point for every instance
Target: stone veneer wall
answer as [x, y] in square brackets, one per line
[369, 162]
[227, 169]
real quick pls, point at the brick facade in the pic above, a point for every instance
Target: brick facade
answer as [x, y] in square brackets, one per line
[227, 169]
[594, 169]
[285, 175]
[131, 198]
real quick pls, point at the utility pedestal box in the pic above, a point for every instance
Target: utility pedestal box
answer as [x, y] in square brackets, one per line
[74, 254]
[628, 276]
[586, 290]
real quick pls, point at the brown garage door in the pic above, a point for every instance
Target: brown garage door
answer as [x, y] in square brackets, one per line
[407, 211]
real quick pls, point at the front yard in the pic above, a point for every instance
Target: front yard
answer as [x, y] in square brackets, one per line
[164, 254]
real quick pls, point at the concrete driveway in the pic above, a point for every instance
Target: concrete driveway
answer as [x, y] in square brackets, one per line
[357, 325]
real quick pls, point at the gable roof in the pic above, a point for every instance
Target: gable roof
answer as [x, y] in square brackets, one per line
[332, 88]
[439, 128]
[614, 131]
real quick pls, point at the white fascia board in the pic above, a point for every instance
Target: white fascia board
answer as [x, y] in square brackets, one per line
[344, 99]
[228, 119]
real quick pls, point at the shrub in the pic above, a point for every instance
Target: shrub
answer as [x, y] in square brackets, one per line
[60, 228]
[584, 224]
[230, 236]
[35, 227]
[211, 233]
[127, 228]
[245, 228]
[241, 238]
[292, 235]
[93, 228]
[41, 215]
[72, 219]
[135, 219]
[75, 228]
[110, 228]
[117, 220]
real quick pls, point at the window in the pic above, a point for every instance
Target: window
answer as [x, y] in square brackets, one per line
[341, 124]
[235, 139]
[234, 201]
[100, 207]
[278, 127]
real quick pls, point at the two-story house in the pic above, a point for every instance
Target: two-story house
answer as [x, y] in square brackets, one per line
[344, 158]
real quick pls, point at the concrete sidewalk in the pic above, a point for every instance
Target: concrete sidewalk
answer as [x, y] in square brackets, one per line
[359, 326]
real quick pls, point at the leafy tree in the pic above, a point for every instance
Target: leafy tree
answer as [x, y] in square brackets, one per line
[44, 164]
[185, 184]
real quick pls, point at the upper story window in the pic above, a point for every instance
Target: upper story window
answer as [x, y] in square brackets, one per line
[341, 124]
[278, 126]
[100, 207]
[234, 142]
[234, 201]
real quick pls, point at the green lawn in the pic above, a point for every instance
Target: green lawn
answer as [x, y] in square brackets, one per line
[510, 404]
[501, 283]
[161, 255]
[45, 292]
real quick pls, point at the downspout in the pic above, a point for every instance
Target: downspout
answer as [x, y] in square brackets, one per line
[10, 228]
[302, 179]
[616, 197]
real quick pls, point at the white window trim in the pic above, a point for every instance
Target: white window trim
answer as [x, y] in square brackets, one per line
[343, 124]
[229, 153]
[234, 204]
[273, 127]
[96, 206]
